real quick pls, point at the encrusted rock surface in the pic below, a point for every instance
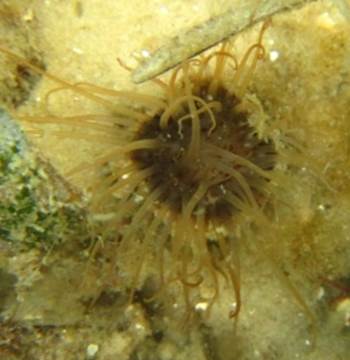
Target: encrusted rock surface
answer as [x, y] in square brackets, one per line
[38, 208]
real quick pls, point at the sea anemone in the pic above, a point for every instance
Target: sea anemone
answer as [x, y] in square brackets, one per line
[188, 174]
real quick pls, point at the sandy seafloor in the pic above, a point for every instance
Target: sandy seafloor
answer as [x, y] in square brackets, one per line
[44, 316]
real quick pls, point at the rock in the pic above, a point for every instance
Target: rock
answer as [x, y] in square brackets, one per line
[38, 208]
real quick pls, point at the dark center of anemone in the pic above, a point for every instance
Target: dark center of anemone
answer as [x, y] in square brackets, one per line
[180, 178]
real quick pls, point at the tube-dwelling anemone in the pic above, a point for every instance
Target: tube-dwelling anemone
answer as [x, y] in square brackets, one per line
[184, 170]
[192, 167]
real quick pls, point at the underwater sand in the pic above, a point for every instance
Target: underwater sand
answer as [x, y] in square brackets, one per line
[305, 77]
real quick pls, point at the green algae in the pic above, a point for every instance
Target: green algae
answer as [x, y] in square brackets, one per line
[36, 206]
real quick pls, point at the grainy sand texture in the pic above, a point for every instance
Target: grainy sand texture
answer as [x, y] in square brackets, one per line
[59, 301]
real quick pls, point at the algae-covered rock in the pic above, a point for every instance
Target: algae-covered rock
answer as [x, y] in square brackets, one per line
[39, 212]
[37, 207]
